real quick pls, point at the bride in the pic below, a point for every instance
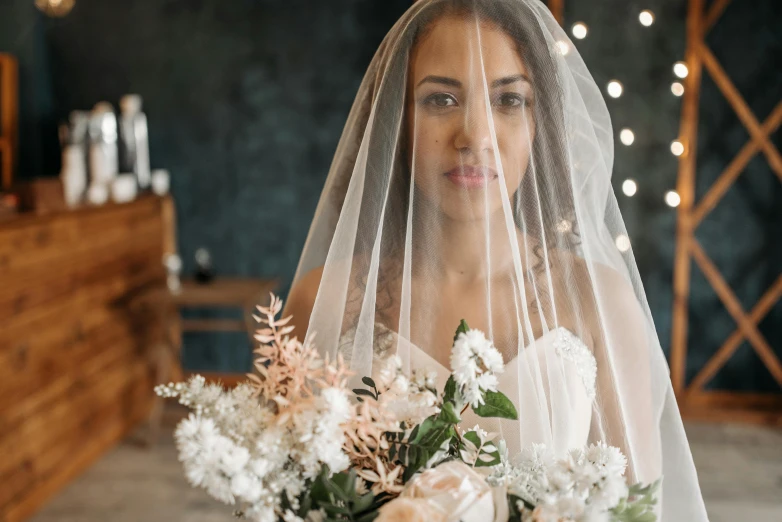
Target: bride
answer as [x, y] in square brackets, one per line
[472, 181]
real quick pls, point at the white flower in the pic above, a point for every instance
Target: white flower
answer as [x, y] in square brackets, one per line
[260, 467]
[475, 363]
[290, 516]
[607, 457]
[246, 487]
[317, 516]
[399, 386]
[338, 405]
[424, 379]
[386, 372]
[234, 459]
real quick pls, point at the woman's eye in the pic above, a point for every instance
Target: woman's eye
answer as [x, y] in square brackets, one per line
[510, 100]
[441, 100]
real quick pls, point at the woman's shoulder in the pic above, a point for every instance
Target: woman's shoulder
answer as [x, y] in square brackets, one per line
[301, 298]
[305, 288]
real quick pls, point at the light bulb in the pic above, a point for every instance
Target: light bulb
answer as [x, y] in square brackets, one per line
[677, 148]
[677, 89]
[563, 48]
[615, 89]
[627, 137]
[646, 18]
[629, 187]
[623, 243]
[55, 8]
[672, 198]
[580, 30]
[680, 69]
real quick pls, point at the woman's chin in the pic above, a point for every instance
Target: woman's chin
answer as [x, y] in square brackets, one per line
[469, 212]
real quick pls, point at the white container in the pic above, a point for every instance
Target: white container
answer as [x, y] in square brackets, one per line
[104, 156]
[161, 182]
[73, 175]
[97, 194]
[124, 188]
[135, 138]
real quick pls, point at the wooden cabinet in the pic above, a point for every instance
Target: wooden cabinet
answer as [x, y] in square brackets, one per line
[75, 373]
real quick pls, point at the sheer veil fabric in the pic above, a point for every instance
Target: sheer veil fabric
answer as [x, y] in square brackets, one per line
[472, 181]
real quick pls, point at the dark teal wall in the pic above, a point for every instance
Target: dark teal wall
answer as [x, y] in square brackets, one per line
[247, 99]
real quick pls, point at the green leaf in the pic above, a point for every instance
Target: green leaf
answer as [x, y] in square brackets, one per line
[423, 429]
[333, 486]
[392, 452]
[487, 460]
[463, 328]
[369, 382]
[369, 517]
[448, 414]
[363, 503]
[428, 444]
[367, 393]
[450, 390]
[414, 433]
[473, 437]
[403, 454]
[496, 404]
[331, 508]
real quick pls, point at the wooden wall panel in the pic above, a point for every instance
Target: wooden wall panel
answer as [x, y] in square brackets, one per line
[75, 372]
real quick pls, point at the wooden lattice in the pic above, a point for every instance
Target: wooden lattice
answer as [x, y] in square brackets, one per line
[694, 401]
[9, 119]
[558, 10]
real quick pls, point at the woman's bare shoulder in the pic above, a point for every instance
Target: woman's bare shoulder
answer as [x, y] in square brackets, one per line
[301, 299]
[304, 292]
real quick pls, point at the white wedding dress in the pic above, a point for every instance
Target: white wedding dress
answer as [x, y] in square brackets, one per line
[568, 372]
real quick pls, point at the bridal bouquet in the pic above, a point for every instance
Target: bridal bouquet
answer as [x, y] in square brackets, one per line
[290, 444]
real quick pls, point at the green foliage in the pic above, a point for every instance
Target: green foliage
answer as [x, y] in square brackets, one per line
[496, 404]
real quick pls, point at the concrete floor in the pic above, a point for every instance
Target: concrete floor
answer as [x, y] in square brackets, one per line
[740, 470]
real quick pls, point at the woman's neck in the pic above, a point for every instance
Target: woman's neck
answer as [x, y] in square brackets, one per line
[462, 251]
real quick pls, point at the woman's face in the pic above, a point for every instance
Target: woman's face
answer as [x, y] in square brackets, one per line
[470, 122]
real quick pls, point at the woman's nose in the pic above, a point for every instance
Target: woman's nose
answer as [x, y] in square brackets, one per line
[474, 134]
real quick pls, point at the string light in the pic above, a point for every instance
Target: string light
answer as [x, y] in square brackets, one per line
[563, 48]
[677, 89]
[672, 198]
[680, 69]
[580, 30]
[55, 8]
[627, 137]
[629, 187]
[646, 18]
[615, 89]
[677, 148]
[623, 243]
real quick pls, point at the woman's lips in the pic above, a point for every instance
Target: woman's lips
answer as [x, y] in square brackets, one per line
[468, 176]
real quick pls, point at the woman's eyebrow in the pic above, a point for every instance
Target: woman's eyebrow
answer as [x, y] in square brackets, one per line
[443, 80]
[510, 79]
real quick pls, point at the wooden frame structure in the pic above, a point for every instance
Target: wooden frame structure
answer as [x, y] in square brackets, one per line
[9, 118]
[557, 8]
[694, 401]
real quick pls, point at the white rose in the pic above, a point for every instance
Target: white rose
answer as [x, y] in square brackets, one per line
[459, 491]
[410, 510]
